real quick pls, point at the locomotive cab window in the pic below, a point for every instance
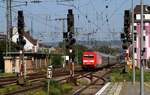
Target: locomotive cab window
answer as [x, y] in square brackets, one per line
[89, 56]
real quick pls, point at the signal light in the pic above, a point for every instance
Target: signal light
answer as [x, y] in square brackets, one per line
[122, 35]
[70, 21]
[72, 41]
[65, 34]
[21, 42]
[126, 36]
[20, 22]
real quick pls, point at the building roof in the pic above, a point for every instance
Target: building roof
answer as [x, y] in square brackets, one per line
[146, 9]
[30, 38]
[26, 35]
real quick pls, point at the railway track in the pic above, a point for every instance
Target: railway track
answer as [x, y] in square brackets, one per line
[94, 76]
[99, 78]
[13, 79]
[23, 89]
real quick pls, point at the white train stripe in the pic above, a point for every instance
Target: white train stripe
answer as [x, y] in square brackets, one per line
[88, 60]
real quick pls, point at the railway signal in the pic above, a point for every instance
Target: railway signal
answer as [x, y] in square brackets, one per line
[127, 22]
[21, 43]
[70, 41]
[124, 41]
[126, 35]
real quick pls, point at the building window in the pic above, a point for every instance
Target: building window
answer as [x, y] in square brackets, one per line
[135, 36]
[134, 27]
[134, 50]
[143, 16]
[143, 38]
[143, 27]
[144, 49]
[134, 16]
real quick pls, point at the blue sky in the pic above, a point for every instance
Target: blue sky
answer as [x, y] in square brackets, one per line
[91, 16]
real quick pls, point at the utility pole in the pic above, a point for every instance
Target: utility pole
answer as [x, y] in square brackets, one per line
[9, 25]
[141, 53]
[63, 22]
[133, 58]
[64, 36]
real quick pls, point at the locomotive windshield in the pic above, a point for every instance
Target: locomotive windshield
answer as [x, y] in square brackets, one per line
[89, 56]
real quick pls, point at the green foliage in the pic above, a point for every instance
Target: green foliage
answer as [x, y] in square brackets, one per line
[2, 45]
[14, 46]
[61, 45]
[3, 50]
[58, 89]
[1, 62]
[79, 51]
[66, 88]
[7, 74]
[36, 92]
[117, 75]
[56, 60]
[55, 91]
[8, 88]
[107, 50]
[148, 62]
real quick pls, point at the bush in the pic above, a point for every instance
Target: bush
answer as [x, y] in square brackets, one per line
[117, 76]
[57, 89]
[36, 92]
[148, 63]
[66, 88]
[56, 61]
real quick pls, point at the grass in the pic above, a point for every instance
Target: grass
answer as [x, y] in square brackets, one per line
[7, 74]
[59, 89]
[118, 76]
[55, 89]
[8, 88]
[36, 92]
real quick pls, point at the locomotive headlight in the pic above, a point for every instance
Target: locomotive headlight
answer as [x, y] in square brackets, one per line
[88, 60]
[85, 61]
[91, 60]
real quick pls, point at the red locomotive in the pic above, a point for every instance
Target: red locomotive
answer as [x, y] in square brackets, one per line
[93, 60]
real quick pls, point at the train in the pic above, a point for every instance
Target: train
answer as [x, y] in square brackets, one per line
[95, 60]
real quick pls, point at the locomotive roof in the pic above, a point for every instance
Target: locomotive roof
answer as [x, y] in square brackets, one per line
[107, 55]
[103, 54]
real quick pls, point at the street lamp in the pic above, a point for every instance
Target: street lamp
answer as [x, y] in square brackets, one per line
[133, 58]
[141, 53]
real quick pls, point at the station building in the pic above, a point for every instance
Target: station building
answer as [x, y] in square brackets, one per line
[146, 33]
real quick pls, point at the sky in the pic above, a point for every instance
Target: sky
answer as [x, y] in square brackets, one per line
[91, 16]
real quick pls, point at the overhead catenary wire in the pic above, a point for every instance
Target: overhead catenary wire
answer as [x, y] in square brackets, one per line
[88, 20]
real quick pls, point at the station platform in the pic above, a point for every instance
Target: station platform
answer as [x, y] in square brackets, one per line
[123, 88]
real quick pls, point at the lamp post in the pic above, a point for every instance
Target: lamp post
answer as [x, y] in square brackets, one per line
[141, 53]
[133, 58]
